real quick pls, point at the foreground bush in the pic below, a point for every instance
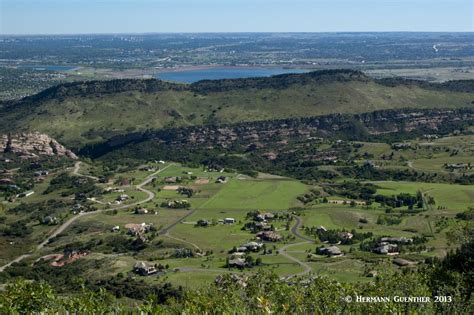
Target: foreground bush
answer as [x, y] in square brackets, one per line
[265, 293]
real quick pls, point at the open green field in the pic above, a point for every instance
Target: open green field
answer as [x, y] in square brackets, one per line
[257, 194]
[436, 164]
[455, 197]
[160, 220]
[423, 155]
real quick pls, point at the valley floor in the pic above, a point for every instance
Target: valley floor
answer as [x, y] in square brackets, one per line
[194, 255]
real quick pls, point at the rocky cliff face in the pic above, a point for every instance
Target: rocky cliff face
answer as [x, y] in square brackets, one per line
[33, 145]
[276, 135]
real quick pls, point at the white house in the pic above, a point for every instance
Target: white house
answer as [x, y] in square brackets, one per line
[229, 220]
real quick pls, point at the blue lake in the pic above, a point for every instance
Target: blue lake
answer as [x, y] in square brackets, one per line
[190, 76]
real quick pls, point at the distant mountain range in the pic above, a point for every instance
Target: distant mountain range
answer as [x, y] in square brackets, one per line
[81, 113]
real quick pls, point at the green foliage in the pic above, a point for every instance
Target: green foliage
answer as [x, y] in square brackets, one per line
[18, 228]
[389, 220]
[72, 185]
[26, 297]
[265, 293]
[97, 110]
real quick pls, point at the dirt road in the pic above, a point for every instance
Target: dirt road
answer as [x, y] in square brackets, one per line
[68, 223]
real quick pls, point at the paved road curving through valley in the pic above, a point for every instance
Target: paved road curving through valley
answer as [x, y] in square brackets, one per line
[306, 240]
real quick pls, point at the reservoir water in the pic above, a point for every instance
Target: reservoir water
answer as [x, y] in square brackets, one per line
[190, 76]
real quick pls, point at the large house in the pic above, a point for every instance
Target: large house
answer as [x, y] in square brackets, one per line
[263, 217]
[270, 236]
[143, 269]
[237, 262]
[172, 179]
[385, 248]
[137, 229]
[332, 251]
[253, 246]
[397, 240]
[122, 198]
[229, 220]
[346, 235]
[25, 194]
[141, 211]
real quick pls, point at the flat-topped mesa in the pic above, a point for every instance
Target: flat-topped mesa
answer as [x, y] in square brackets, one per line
[33, 144]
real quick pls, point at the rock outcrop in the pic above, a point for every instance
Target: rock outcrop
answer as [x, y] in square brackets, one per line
[30, 145]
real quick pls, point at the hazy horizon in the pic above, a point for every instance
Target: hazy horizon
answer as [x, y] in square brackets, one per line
[256, 32]
[84, 17]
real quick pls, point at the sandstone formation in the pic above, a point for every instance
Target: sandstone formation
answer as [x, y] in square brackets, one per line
[30, 145]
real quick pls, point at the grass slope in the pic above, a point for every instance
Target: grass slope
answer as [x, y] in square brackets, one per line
[91, 115]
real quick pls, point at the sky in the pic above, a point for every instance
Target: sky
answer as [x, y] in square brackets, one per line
[176, 16]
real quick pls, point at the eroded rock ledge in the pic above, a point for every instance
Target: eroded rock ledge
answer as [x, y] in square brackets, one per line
[33, 144]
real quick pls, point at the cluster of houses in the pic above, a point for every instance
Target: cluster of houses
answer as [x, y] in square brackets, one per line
[69, 256]
[347, 202]
[210, 169]
[77, 208]
[147, 168]
[40, 176]
[431, 136]
[250, 246]
[260, 221]
[176, 204]
[135, 230]
[204, 222]
[333, 251]
[50, 220]
[401, 146]
[113, 189]
[264, 217]
[343, 235]
[390, 245]
[41, 173]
